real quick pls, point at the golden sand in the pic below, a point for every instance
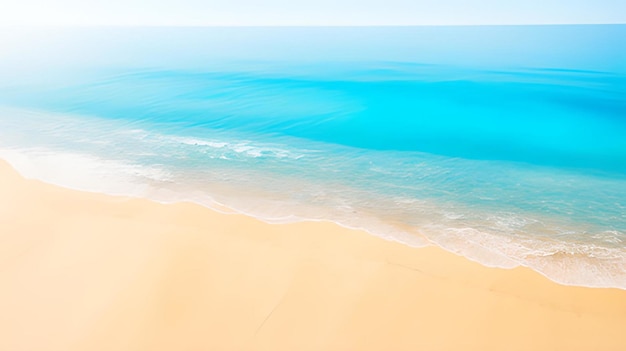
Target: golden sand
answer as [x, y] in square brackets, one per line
[89, 272]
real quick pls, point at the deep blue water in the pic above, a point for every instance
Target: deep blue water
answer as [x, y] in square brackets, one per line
[506, 144]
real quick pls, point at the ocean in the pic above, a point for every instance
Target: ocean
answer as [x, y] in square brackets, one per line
[504, 144]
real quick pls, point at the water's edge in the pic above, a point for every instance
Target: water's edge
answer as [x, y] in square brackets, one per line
[402, 238]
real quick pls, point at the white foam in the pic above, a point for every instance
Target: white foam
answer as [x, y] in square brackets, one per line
[243, 147]
[199, 142]
[83, 172]
[565, 262]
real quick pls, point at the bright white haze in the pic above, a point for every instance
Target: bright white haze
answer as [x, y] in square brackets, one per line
[308, 12]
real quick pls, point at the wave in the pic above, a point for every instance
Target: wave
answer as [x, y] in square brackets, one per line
[599, 261]
[247, 148]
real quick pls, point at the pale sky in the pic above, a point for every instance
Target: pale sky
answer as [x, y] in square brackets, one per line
[309, 12]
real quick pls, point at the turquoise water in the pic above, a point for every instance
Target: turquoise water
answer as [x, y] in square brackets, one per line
[506, 144]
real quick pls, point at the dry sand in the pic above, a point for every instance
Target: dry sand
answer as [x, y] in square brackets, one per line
[82, 271]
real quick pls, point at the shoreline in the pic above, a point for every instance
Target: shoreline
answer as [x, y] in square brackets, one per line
[83, 270]
[608, 273]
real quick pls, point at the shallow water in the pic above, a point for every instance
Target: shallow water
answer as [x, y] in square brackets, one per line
[505, 144]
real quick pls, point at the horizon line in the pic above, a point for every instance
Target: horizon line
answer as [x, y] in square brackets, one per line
[295, 25]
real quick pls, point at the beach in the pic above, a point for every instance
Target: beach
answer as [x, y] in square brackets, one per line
[87, 271]
[507, 152]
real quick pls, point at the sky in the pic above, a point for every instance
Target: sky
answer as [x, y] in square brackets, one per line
[308, 12]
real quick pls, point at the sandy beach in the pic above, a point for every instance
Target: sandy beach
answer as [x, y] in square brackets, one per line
[84, 271]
